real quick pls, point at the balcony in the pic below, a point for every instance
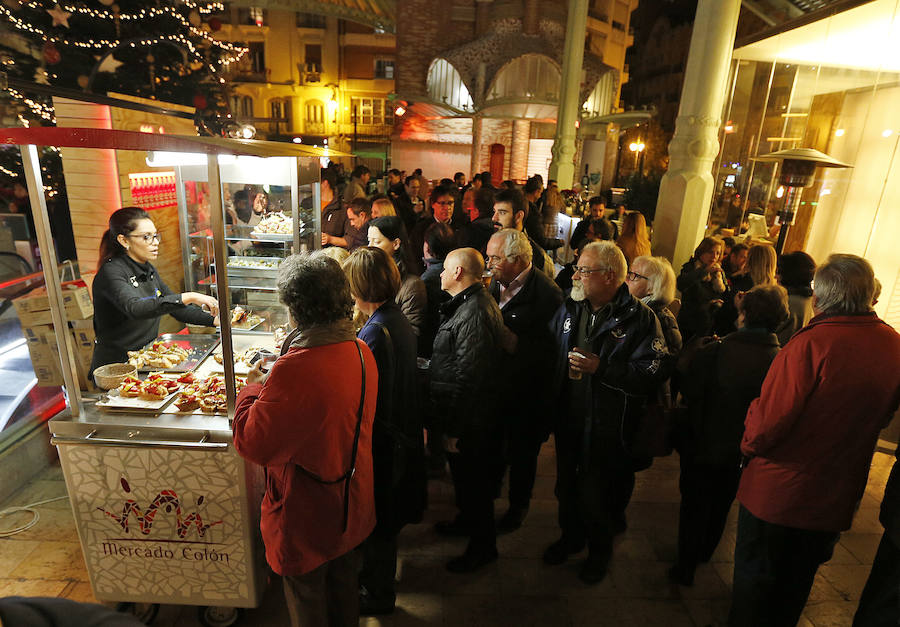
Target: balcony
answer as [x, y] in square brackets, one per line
[247, 76]
[310, 73]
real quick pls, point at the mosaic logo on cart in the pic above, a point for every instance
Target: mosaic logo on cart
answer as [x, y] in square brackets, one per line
[167, 502]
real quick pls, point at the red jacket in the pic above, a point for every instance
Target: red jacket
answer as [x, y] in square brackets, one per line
[305, 414]
[812, 431]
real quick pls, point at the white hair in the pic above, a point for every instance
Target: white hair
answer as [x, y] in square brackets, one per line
[609, 256]
[660, 278]
[515, 244]
[844, 285]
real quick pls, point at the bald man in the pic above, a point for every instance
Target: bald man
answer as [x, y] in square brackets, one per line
[467, 349]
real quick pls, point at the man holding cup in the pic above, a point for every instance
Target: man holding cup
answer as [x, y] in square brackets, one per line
[612, 354]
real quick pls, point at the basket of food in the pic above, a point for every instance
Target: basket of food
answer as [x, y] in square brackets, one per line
[111, 376]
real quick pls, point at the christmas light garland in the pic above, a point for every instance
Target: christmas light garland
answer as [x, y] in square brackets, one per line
[38, 108]
[102, 44]
[8, 172]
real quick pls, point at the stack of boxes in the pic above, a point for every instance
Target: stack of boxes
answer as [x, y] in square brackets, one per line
[37, 327]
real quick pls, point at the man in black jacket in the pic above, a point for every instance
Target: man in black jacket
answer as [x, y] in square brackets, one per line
[466, 353]
[528, 301]
[611, 356]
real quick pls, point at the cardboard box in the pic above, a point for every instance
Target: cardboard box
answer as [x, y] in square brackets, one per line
[34, 307]
[41, 342]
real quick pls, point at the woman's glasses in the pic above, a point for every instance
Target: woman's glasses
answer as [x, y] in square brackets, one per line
[147, 237]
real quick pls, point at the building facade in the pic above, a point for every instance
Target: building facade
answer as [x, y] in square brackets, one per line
[310, 77]
[480, 85]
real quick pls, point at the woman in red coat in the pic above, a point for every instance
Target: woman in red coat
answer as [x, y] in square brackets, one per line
[309, 422]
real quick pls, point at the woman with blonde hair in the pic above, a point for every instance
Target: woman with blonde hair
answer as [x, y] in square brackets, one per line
[397, 442]
[762, 263]
[634, 240]
[382, 207]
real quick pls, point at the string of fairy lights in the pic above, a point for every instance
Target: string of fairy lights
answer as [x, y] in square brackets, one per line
[40, 109]
[143, 14]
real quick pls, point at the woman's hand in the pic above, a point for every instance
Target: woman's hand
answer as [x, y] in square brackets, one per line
[202, 300]
[256, 375]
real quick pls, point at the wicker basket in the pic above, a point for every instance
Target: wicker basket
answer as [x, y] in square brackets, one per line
[111, 375]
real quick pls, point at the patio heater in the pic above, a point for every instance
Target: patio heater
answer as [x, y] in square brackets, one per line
[798, 166]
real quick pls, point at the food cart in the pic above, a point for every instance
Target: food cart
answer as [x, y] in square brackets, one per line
[166, 511]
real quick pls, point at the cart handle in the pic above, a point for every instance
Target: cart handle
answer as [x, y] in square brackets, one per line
[92, 439]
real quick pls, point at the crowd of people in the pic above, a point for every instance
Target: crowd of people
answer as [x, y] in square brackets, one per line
[436, 330]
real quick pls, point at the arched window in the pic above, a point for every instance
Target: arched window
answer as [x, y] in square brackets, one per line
[280, 111]
[315, 117]
[529, 77]
[600, 102]
[445, 85]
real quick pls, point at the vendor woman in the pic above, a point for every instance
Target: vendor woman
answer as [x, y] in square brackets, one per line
[130, 296]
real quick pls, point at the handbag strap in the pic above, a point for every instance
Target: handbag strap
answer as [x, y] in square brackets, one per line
[347, 476]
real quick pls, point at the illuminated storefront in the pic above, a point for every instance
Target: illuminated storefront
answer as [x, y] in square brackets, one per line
[832, 85]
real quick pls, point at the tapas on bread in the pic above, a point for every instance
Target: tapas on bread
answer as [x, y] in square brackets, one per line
[207, 395]
[244, 319]
[154, 392]
[158, 355]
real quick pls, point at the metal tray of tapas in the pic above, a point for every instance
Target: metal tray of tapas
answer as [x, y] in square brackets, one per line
[189, 351]
[262, 267]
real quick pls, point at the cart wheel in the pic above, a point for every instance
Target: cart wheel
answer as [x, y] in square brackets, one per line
[144, 612]
[219, 616]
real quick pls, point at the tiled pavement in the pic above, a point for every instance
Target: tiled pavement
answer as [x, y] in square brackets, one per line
[518, 590]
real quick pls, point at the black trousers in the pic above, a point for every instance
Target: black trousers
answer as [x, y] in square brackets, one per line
[379, 565]
[591, 495]
[707, 492]
[879, 605]
[774, 568]
[522, 450]
[475, 470]
[327, 596]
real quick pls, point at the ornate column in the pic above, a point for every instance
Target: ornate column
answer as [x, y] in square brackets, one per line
[562, 167]
[686, 189]
[518, 153]
[475, 159]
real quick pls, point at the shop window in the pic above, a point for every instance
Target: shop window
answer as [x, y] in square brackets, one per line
[384, 68]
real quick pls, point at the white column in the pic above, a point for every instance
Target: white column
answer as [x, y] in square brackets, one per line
[562, 167]
[686, 189]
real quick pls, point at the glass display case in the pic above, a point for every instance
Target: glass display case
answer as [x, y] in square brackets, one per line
[269, 215]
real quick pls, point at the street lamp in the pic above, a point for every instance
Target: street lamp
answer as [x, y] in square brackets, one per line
[798, 165]
[638, 149]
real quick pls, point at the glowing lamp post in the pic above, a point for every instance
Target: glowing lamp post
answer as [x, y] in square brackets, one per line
[798, 166]
[638, 149]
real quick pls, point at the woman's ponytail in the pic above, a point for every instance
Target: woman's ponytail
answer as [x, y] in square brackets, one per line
[121, 222]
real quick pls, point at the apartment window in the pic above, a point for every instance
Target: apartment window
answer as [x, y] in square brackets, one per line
[313, 57]
[372, 111]
[257, 56]
[242, 106]
[310, 20]
[280, 109]
[315, 112]
[384, 68]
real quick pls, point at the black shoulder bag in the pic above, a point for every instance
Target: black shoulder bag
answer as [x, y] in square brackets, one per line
[347, 476]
